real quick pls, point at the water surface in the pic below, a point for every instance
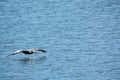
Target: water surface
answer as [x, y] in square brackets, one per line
[81, 38]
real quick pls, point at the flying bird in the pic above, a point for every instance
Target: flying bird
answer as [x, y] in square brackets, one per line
[30, 51]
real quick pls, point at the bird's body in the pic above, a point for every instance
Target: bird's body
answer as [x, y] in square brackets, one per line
[30, 51]
[27, 52]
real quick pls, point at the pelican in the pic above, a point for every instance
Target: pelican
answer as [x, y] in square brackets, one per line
[30, 51]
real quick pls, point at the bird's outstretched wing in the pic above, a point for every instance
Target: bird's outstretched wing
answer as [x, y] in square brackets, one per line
[38, 49]
[14, 53]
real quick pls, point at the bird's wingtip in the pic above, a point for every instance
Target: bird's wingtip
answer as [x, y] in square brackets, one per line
[43, 51]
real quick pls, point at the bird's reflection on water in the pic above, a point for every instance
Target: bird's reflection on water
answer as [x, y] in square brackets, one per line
[25, 59]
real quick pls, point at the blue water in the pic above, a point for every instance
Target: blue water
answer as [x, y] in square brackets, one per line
[81, 37]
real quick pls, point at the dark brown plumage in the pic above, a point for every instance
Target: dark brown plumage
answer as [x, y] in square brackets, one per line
[30, 51]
